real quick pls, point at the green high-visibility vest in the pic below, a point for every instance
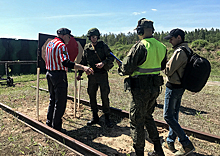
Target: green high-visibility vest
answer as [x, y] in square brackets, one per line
[156, 52]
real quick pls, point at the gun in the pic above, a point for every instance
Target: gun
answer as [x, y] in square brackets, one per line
[115, 57]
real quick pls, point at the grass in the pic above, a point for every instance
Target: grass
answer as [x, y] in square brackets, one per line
[202, 107]
[198, 111]
[18, 139]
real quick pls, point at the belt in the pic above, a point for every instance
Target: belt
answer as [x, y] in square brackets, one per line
[56, 71]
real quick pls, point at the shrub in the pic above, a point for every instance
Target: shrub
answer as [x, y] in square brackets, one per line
[218, 53]
[217, 44]
[117, 44]
[210, 47]
[198, 44]
[215, 64]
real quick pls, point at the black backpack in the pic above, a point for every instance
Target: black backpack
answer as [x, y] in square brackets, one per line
[196, 73]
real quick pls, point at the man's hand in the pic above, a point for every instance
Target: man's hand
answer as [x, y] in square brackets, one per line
[99, 65]
[78, 77]
[88, 70]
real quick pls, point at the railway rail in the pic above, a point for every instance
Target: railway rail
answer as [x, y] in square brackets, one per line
[80, 148]
[76, 146]
[122, 113]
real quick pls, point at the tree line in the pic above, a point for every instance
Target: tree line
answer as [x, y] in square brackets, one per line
[212, 36]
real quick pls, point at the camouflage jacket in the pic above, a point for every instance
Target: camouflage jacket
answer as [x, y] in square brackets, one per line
[135, 57]
[92, 56]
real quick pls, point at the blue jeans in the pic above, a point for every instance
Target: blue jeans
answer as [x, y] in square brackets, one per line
[171, 115]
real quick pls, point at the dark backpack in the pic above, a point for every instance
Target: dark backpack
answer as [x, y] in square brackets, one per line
[196, 73]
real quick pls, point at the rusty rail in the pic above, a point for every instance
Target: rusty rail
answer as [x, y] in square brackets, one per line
[73, 144]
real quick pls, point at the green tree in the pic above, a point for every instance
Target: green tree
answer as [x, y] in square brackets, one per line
[201, 34]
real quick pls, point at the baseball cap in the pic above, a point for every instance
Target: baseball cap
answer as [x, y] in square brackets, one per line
[145, 23]
[175, 33]
[64, 31]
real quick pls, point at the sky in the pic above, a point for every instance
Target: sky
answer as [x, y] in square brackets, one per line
[25, 19]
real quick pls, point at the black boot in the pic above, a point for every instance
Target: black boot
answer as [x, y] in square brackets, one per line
[95, 119]
[158, 151]
[139, 152]
[107, 121]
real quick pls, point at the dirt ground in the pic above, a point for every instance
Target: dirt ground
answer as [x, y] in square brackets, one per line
[111, 141]
[119, 140]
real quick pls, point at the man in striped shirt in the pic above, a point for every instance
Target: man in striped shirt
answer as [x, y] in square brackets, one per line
[57, 63]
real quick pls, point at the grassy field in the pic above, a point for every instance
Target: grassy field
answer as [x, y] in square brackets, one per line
[18, 139]
[15, 137]
[198, 111]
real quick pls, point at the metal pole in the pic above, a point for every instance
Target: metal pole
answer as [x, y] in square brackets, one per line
[6, 70]
[37, 93]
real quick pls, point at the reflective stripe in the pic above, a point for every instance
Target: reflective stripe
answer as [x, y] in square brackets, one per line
[141, 70]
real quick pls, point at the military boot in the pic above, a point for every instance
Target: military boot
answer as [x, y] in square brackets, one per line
[108, 123]
[95, 119]
[139, 152]
[158, 151]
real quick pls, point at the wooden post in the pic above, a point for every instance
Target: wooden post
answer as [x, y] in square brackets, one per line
[78, 60]
[37, 94]
[75, 93]
[79, 89]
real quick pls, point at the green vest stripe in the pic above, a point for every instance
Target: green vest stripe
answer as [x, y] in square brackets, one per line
[155, 54]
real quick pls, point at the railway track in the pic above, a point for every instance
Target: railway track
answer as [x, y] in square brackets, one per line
[76, 146]
[122, 113]
[80, 148]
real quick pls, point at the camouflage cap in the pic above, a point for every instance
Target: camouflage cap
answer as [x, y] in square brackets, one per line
[145, 23]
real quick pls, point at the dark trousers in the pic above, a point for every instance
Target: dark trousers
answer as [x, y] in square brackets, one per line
[95, 81]
[57, 86]
[141, 110]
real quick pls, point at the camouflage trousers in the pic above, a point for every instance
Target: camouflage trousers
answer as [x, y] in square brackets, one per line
[141, 110]
[95, 81]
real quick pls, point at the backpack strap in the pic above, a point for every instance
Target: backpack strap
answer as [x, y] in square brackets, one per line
[188, 54]
[96, 53]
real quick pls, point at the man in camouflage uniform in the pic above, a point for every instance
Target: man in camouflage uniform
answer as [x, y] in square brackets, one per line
[97, 55]
[143, 64]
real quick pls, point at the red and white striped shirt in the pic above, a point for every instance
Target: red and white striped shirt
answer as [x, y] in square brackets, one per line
[56, 53]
